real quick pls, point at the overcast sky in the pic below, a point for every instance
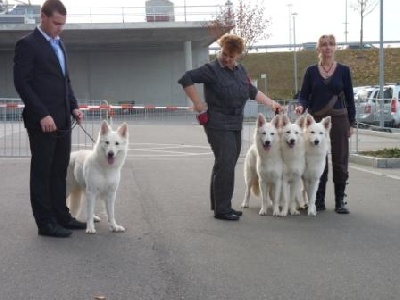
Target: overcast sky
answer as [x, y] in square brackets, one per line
[314, 17]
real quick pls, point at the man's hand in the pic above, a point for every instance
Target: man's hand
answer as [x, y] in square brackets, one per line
[78, 115]
[47, 124]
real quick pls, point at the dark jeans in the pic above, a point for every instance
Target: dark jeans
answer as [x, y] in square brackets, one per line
[49, 162]
[226, 146]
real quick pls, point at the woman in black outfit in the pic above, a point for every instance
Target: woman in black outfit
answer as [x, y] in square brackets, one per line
[227, 87]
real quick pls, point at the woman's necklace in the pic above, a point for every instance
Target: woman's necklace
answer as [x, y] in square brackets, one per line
[327, 70]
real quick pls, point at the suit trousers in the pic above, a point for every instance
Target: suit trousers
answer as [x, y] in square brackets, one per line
[226, 146]
[49, 163]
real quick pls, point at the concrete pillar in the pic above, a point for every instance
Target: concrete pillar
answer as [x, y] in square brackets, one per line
[187, 52]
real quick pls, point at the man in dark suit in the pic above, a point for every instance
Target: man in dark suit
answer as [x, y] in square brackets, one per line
[42, 81]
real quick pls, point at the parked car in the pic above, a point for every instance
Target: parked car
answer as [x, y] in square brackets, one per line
[361, 93]
[309, 46]
[356, 46]
[369, 106]
[393, 92]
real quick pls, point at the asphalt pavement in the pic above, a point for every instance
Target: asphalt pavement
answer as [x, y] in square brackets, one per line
[173, 248]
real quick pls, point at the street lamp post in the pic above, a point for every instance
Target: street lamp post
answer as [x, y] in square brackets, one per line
[290, 25]
[264, 76]
[294, 54]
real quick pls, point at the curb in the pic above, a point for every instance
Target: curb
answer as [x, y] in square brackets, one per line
[374, 161]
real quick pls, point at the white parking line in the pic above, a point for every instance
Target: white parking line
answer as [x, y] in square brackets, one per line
[155, 150]
[165, 150]
[383, 172]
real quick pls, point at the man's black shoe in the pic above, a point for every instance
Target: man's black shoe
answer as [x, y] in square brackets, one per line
[228, 217]
[74, 224]
[236, 212]
[54, 230]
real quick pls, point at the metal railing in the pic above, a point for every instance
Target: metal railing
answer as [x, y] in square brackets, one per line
[86, 14]
[14, 140]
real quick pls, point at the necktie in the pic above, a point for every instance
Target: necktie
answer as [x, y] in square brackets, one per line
[60, 55]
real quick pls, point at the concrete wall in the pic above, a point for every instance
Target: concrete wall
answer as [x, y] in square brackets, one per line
[146, 77]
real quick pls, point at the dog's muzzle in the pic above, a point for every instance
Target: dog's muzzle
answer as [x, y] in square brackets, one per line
[110, 158]
[267, 145]
[291, 143]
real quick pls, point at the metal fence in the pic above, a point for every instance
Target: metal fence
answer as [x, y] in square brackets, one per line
[14, 140]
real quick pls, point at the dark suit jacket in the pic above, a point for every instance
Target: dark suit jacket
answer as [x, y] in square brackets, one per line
[39, 81]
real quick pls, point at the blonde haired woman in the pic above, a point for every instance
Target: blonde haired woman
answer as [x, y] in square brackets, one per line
[227, 87]
[327, 90]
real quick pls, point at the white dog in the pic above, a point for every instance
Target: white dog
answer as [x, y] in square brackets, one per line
[293, 154]
[317, 145]
[96, 174]
[263, 165]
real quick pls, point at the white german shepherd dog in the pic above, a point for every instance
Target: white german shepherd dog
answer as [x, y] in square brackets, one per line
[263, 165]
[317, 146]
[95, 174]
[293, 154]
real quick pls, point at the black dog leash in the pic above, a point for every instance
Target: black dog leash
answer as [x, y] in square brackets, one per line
[87, 133]
[73, 124]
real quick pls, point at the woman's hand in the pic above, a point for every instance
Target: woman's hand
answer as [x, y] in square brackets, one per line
[351, 131]
[200, 106]
[276, 106]
[299, 110]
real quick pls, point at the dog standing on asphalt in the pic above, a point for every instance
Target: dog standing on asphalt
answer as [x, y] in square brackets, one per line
[317, 145]
[95, 174]
[263, 165]
[293, 154]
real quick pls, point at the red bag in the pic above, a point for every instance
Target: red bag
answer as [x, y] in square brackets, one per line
[202, 118]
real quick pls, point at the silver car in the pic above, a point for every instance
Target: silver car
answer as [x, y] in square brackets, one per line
[371, 108]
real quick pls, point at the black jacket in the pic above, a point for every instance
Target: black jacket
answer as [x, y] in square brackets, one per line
[39, 81]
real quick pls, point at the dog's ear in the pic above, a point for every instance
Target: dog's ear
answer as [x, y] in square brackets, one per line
[309, 120]
[277, 121]
[261, 120]
[327, 122]
[285, 120]
[301, 121]
[104, 127]
[123, 130]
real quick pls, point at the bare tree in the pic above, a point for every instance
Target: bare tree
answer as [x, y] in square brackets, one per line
[364, 8]
[246, 19]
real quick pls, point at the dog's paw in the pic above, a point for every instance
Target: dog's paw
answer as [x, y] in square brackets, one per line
[312, 211]
[276, 213]
[96, 219]
[244, 204]
[295, 212]
[117, 228]
[91, 230]
[263, 212]
[283, 214]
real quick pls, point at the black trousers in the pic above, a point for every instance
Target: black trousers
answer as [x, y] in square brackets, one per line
[49, 162]
[339, 152]
[226, 146]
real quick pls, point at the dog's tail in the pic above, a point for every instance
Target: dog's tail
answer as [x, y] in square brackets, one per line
[74, 202]
[255, 188]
